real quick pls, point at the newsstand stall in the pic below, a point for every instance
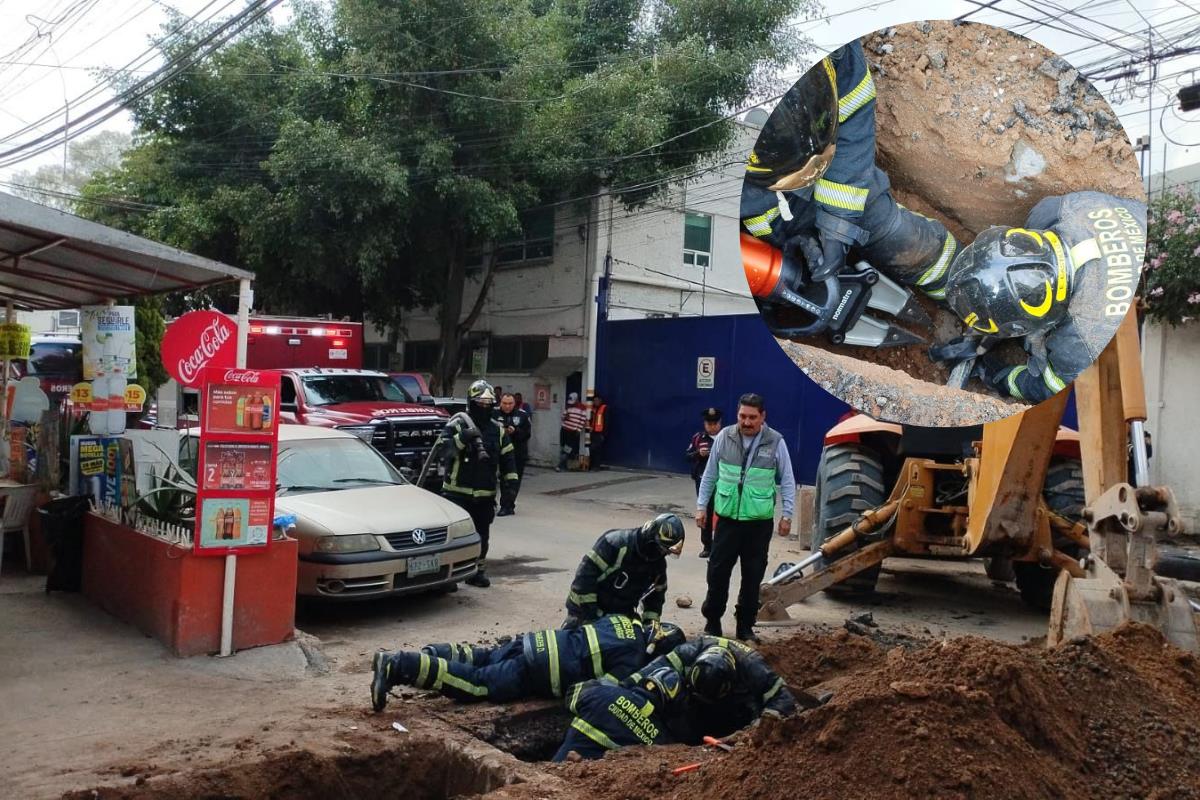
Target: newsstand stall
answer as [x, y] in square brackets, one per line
[198, 561]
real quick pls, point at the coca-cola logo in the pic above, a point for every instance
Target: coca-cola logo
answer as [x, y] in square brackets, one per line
[250, 377]
[197, 340]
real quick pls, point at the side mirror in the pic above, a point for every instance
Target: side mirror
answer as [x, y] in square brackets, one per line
[427, 399]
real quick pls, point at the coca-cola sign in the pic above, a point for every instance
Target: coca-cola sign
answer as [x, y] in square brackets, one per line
[247, 376]
[197, 340]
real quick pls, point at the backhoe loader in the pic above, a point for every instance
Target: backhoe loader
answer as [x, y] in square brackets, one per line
[1022, 491]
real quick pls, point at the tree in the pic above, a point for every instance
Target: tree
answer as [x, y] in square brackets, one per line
[1172, 273]
[357, 159]
[59, 185]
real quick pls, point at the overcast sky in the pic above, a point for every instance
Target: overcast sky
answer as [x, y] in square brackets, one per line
[77, 36]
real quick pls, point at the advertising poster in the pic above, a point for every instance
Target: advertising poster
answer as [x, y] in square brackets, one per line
[107, 333]
[239, 436]
[102, 467]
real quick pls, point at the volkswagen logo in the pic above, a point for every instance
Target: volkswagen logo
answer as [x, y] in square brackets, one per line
[418, 536]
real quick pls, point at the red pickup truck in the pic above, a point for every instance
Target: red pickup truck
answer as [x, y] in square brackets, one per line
[365, 403]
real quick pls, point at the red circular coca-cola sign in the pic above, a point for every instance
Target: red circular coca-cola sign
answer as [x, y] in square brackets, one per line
[197, 340]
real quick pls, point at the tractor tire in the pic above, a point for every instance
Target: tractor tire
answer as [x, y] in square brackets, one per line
[1180, 563]
[1063, 492]
[849, 482]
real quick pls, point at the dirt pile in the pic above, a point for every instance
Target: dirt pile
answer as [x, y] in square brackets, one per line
[1110, 717]
[974, 125]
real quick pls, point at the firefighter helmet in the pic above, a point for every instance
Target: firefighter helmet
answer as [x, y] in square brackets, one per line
[796, 145]
[669, 637]
[711, 675]
[662, 683]
[664, 534]
[481, 393]
[1010, 282]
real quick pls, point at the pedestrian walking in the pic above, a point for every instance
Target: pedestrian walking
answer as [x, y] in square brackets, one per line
[697, 453]
[745, 463]
[574, 421]
[516, 425]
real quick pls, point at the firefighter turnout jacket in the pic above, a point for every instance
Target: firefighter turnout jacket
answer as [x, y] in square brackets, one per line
[468, 475]
[756, 688]
[615, 576]
[1103, 244]
[544, 663]
[609, 716]
[852, 201]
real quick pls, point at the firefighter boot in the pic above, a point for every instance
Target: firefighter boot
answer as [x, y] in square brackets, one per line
[480, 577]
[712, 625]
[745, 628]
[388, 670]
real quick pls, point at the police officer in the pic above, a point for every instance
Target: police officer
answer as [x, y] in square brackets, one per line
[608, 715]
[812, 188]
[543, 663]
[1063, 282]
[625, 567]
[481, 457]
[727, 685]
[516, 424]
[697, 453]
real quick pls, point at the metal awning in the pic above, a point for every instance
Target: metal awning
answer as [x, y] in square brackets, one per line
[50, 259]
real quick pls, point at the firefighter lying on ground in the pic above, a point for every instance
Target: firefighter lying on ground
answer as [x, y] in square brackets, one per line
[543, 663]
[726, 685]
[625, 567]
[1063, 282]
[813, 191]
[609, 715]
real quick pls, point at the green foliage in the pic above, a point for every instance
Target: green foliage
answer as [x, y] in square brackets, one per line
[171, 499]
[354, 157]
[1172, 276]
[149, 328]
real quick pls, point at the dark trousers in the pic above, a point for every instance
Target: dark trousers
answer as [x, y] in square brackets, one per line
[499, 675]
[707, 530]
[521, 455]
[596, 451]
[482, 511]
[747, 541]
[568, 444]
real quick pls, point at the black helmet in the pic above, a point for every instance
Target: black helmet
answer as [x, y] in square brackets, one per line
[669, 637]
[1010, 282]
[662, 683]
[481, 393]
[796, 145]
[664, 535]
[711, 675]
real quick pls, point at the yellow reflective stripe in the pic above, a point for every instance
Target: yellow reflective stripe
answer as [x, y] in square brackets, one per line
[594, 649]
[675, 661]
[840, 195]
[595, 734]
[595, 558]
[1041, 309]
[1060, 257]
[1013, 389]
[859, 96]
[580, 599]
[507, 449]
[829, 71]
[647, 709]
[936, 294]
[511, 476]
[1052, 380]
[555, 678]
[761, 224]
[616, 565]
[1082, 253]
[938, 268]
[1037, 237]
[575, 696]
[423, 672]
[774, 690]
[449, 486]
[464, 686]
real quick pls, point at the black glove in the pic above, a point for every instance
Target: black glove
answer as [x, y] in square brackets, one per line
[988, 369]
[804, 249]
[469, 436]
[833, 258]
[957, 349]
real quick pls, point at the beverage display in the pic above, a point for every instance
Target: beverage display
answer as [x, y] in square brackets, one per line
[98, 418]
[116, 386]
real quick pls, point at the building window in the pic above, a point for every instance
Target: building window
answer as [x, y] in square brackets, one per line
[517, 354]
[377, 355]
[697, 240]
[420, 356]
[535, 243]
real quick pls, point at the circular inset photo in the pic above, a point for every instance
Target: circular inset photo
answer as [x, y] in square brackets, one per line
[943, 223]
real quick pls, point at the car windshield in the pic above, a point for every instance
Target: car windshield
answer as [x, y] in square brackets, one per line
[55, 359]
[324, 390]
[317, 465]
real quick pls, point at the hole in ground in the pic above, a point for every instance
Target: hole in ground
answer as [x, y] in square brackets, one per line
[532, 734]
[417, 770]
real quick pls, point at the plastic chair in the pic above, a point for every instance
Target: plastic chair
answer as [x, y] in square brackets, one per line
[18, 505]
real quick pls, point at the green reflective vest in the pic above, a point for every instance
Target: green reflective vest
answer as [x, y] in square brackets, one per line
[750, 494]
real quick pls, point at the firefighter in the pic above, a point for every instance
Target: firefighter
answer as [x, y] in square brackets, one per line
[543, 663]
[812, 188]
[608, 715]
[1063, 283]
[480, 459]
[727, 685]
[625, 567]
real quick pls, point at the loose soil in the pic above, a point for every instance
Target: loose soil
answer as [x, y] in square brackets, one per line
[974, 125]
[1114, 716]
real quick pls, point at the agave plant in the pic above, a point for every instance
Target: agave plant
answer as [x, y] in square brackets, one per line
[172, 498]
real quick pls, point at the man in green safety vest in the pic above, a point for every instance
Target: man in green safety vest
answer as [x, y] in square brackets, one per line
[745, 463]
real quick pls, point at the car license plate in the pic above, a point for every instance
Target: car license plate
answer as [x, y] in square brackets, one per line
[423, 565]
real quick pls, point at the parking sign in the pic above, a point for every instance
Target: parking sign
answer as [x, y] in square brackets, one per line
[706, 372]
